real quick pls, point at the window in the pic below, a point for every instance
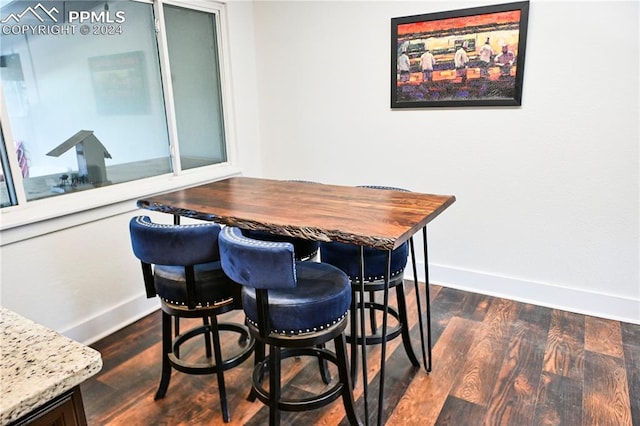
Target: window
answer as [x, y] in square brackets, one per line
[101, 93]
[7, 194]
[196, 86]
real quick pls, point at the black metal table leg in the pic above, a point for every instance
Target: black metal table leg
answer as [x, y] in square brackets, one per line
[363, 332]
[428, 301]
[383, 351]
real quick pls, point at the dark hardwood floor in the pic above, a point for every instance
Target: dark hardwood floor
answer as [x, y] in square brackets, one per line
[495, 362]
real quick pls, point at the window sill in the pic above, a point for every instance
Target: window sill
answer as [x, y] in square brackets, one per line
[48, 215]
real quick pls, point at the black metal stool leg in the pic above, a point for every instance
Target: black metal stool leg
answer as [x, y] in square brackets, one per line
[323, 366]
[176, 328]
[345, 378]
[166, 349]
[207, 339]
[274, 385]
[215, 333]
[372, 313]
[354, 336]
[406, 338]
[259, 355]
[418, 303]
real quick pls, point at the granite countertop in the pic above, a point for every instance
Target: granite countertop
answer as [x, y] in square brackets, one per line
[37, 364]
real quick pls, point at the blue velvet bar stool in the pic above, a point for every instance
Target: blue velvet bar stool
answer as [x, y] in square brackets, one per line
[302, 250]
[293, 307]
[347, 258]
[181, 265]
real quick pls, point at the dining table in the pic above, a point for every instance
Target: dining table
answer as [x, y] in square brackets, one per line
[364, 216]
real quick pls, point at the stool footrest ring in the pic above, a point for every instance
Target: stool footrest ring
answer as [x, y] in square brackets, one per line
[210, 367]
[374, 339]
[302, 404]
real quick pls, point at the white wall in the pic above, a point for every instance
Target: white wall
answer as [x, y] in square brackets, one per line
[82, 281]
[547, 214]
[547, 193]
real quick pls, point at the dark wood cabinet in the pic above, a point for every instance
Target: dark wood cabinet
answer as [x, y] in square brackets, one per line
[64, 410]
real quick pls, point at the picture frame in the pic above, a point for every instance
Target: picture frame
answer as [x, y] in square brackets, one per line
[476, 57]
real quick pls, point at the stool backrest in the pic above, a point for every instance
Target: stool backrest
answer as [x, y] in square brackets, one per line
[176, 245]
[173, 245]
[256, 263]
[347, 258]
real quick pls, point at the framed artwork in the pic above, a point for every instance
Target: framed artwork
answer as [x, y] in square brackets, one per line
[459, 58]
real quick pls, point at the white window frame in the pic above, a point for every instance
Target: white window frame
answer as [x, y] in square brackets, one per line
[29, 219]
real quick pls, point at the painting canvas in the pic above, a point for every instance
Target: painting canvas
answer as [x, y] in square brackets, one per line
[467, 57]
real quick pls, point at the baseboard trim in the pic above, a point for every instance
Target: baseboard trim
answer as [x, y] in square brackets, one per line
[537, 293]
[543, 294]
[111, 320]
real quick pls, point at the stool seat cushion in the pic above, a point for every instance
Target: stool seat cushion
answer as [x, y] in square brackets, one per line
[211, 284]
[347, 258]
[321, 298]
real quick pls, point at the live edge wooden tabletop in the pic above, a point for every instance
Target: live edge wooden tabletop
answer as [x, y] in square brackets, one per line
[370, 217]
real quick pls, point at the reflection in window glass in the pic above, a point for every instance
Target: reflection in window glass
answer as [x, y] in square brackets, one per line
[7, 194]
[87, 110]
[195, 76]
